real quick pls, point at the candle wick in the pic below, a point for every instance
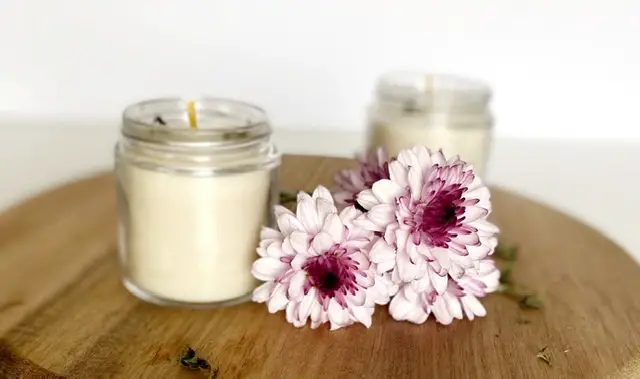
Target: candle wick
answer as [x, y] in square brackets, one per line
[191, 111]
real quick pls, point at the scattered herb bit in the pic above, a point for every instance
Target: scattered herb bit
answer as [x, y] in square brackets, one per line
[525, 298]
[567, 350]
[544, 356]
[159, 120]
[189, 360]
[523, 321]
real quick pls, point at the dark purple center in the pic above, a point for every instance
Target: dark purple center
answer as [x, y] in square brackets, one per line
[332, 274]
[437, 218]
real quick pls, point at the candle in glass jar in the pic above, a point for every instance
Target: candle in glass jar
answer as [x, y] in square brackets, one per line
[193, 201]
[440, 112]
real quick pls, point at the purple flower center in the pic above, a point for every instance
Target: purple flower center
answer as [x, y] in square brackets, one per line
[333, 275]
[435, 220]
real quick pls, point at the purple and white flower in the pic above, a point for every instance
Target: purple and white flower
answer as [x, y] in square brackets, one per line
[432, 215]
[372, 167]
[316, 266]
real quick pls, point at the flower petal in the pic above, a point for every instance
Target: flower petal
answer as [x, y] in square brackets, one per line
[367, 199]
[381, 252]
[415, 182]
[322, 242]
[334, 227]
[474, 213]
[322, 192]
[386, 191]
[381, 215]
[398, 173]
[299, 241]
[308, 216]
[362, 315]
[263, 292]
[278, 299]
[268, 268]
[296, 286]
[287, 223]
[304, 308]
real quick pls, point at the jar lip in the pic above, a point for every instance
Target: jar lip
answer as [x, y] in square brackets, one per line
[432, 88]
[221, 121]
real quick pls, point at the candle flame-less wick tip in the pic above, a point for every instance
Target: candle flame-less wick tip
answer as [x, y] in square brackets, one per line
[191, 111]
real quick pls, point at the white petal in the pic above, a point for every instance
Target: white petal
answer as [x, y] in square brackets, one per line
[322, 242]
[291, 313]
[398, 173]
[468, 239]
[304, 308]
[263, 292]
[269, 233]
[485, 226]
[296, 286]
[307, 214]
[440, 311]
[415, 182]
[362, 315]
[402, 236]
[278, 299]
[386, 191]
[287, 223]
[381, 215]
[334, 227]
[367, 280]
[358, 299]
[324, 208]
[268, 268]
[439, 282]
[474, 305]
[402, 309]
[381, 252]
[423, 284]
[316, 313]
[322, 192]
[367, 199]
[298, 261]
[349, 214]
[361, 259]
[406, 270]
[454, 306]
[474, 213]
[299, 241]
[366, 224]
[442, 256]
[478, 252]
[408, 158]
[337, 315]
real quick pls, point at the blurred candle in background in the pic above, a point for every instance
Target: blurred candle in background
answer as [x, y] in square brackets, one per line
[439, 111]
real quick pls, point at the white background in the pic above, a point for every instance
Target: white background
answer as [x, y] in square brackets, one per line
[560, 68]
[566, 76]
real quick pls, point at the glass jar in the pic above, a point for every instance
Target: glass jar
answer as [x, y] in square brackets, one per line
[192, 199]
[439, 111]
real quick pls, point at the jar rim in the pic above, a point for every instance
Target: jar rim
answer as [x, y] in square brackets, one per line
[165, 121]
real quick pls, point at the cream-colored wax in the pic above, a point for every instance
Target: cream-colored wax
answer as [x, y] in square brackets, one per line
[470, 143]
[193, 239]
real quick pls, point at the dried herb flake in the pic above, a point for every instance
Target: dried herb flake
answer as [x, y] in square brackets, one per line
[188, 359]
[544, 356]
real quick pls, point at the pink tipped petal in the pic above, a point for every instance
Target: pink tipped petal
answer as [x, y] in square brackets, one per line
[386, 191]
[474, 213]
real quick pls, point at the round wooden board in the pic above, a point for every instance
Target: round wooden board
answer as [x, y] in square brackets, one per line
[64, 313]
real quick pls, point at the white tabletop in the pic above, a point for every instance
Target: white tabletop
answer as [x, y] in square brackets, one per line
[593, 181]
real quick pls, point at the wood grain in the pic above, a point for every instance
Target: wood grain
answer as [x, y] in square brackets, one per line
[64, 313]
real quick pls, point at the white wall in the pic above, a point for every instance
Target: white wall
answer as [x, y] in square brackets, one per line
[560, 68]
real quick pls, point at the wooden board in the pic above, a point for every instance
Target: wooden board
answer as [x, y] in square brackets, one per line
[64, 313]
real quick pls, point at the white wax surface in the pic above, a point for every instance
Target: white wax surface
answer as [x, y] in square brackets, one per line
[194, 239]
[471, 144]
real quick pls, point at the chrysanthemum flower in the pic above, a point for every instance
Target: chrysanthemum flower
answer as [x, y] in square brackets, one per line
[432, 216]
[372, 167]
[459, 299]
[316, 267]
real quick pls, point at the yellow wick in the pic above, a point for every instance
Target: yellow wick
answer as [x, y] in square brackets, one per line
[191, 111]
